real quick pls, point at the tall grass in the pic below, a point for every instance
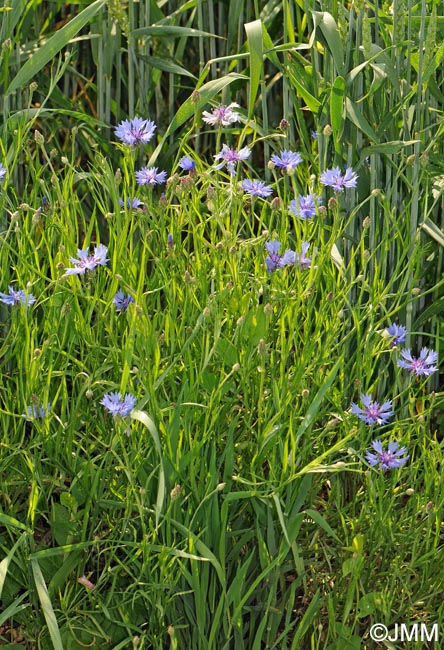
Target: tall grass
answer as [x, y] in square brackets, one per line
[235, 508]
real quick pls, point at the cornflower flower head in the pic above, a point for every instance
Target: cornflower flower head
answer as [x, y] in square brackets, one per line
[18, 297]
[86, 262]
[136, 131]
[287, 160]
[392, 458]
[222, 115]
[304, 207]
[333, 178]
[118, 405]
[35, 412]
[2, 171]
[230, 157]
[150, 176]
[397, 333]
[256, 188]
[122, 301]
[424, 365]
[187, 164]
[131, 203]
[275, 260]
[301, 258]
[170, 241]
[373, 413]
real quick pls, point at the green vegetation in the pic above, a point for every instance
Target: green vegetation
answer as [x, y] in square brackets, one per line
[236, 506]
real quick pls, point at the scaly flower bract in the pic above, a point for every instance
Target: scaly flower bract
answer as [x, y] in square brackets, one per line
[304, 207]
[118, 405]
[333, 178]
[275, 260]
[373, 413]
[86, 262]
[131, 203]
[222, 115]
[301, 258]
[287, 160]
[122, 301]
[136, 131]
[18, 297]
[187, 164]
[150, 176]
[230, 157]
[423, 365]
[393, 458]
[397, 333]
[256, 188]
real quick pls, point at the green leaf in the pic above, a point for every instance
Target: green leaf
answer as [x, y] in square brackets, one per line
[53, 45]
[432, 229]
[386, 147]
[337, 110]
[255, 42]
[355, 115]
[47, 608]
[170, 30]
[166, 65]
[330, 31]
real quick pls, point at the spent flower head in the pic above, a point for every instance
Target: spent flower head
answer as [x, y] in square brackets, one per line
[305, 207]
[86, 262]
[335, 179]
[397, 333]
[373, 413]
[17, 297]
[275, 260]
[230, 157]
[136, 131]
[150, 176]
[222, 115]
[118, 405]
[392, 458]
[256, 188]
[424, 365]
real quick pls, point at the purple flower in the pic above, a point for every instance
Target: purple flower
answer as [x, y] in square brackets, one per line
[86, 262]
[135, 131]
[187, 164]
[301, 258]
[275, 260]
[393, 458]
[131, 203]
[170, 241]
[150, 176]
[2, 171]
[230, 157]
[117, 405]
[397, 333]
[256, 188]
[122, 301]
[304, 207]
[373, 413]
[287, 160]
[17, 297]
[333, 178]
[34, 412]
[314, 134]
[423, 365]
[222, 115]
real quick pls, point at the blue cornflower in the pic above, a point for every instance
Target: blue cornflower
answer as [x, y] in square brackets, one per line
[230, 157]
[17, 297]
[88, 262]
[117, 405]
[256, 188]
[333, 178]
[2, 171]
[301, 258]
[136, 131]
[304, 207]
[314, 134]
[423, 365]
[221, 115]
[393, 458]
[170, 240]
[373, 413]
[150, 176]
[122, 301]
[287, 160]
[397, 333]
[187, 164]
[275, 260]
[131, 203]
[35, 412]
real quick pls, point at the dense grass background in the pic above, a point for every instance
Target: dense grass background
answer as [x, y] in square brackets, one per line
[235, 509]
